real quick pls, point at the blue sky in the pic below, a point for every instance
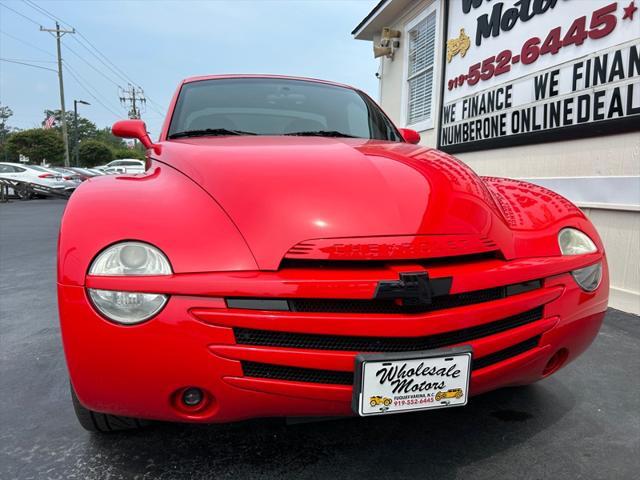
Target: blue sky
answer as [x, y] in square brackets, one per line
[157, 43]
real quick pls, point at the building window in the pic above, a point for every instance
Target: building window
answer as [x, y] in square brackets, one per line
[420, 70]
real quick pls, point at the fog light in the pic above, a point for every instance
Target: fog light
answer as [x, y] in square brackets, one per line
[588, 277]
[555, 362]
[192, 397]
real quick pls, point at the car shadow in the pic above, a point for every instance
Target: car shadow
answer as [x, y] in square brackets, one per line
[393, 446]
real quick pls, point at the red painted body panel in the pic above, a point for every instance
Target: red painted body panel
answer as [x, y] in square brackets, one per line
[162, 207]
[135, 370]
[232, 213]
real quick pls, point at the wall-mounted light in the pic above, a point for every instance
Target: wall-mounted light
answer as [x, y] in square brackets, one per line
[389, 43]
[388, 33]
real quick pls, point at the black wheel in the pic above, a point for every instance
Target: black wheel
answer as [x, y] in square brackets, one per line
[102, 422]
[22, 192]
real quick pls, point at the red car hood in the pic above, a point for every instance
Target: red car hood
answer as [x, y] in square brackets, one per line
[281, 191]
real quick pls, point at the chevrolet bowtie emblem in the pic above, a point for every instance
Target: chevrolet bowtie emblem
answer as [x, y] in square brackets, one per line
[412, 289]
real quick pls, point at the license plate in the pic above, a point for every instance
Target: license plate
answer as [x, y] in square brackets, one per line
[403, 382]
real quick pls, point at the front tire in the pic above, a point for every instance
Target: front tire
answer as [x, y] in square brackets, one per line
[102, 422]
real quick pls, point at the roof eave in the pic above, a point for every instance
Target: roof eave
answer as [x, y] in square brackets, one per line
[359, 32]
[384, 14]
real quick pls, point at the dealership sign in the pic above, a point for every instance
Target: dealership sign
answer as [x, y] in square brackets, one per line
[522, 71]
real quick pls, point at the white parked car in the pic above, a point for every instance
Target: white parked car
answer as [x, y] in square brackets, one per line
[123, 165]
[70, 176]
[33, 174]
[69, 183]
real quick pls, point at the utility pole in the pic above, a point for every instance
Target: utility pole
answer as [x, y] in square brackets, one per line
[133, 98]
[76, 150]
[65, 138]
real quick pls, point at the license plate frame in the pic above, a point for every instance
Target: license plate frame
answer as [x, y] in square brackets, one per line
[362, 361]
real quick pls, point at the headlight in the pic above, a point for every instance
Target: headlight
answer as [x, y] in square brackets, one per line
[130, 258]
[588, 277]
[574, 242]
[127, 307]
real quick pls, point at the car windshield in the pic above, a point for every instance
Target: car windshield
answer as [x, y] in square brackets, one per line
[272, 106]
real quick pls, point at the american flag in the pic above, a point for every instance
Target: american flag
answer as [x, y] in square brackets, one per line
[49, 122]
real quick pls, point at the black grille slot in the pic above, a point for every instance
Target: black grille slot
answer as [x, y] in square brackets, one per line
[389, 306]
[509, 352]
[332, 377]
[295, 374]
[342, 264]
[369, 306]
[247, 336]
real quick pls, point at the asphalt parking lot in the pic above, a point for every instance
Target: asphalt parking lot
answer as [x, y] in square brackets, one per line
[583, 422]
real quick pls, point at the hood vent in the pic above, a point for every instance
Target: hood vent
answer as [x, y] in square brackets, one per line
[392, 248]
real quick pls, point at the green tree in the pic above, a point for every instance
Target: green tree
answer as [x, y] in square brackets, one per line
[5, 114]
[94, 153]
[5, 131]
[104, 135]
[121, 149]
[37, 144]
[7, 155]
[128, 153]
[86, 128]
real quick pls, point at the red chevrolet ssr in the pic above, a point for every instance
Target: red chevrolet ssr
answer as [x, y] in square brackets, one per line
[290, 252]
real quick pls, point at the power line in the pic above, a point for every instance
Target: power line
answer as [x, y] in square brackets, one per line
[89, 88]
[122, 75]
[32, 60]
[102, 58]
[27, 43]
[125, 76]
[155, 103]
[82, 82]
[91, 66]
[73, 73]
[46, 13]
[156, 107]
[96, 53]
[27, 64]
[18, 13]
[50, 15]
[106, 65]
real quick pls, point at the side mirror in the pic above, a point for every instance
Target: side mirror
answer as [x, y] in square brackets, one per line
[410, 136]
[134, 129]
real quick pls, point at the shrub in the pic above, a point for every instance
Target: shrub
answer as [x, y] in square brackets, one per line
[128, 153]
[38, 144]
[94, 153]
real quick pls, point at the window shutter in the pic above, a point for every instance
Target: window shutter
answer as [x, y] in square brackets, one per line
[422, 40]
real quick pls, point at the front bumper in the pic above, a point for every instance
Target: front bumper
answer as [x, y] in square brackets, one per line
[197, 340]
